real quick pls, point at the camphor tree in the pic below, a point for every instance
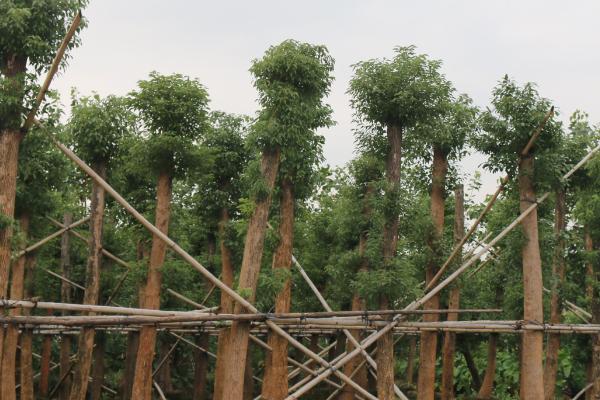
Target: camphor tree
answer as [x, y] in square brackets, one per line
[292, 78]
[444, 138]
[395, 95]
[97, 127]
[300, 160]
[30, 33]
[218, 197]
[173, 110]
[40, 175]
[506, 129]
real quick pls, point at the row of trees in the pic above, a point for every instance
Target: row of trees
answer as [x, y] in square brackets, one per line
[368, 234]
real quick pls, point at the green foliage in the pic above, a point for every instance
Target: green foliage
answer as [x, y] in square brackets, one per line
[507, 128]
[173, 110]
[97, 127]
[292, 78]
[403, 91]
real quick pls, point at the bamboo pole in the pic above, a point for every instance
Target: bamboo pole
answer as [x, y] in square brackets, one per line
[52, 71]
[418, 303]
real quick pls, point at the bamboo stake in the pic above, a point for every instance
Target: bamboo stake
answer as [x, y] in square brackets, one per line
[62, 278]
[418, 303]
[158, 390]
[52, 71]
[165, 358]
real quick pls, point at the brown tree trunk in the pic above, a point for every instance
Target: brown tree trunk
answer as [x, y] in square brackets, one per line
[471, 366]
[237, 350]
[532, 377]
[45, 365]
[10, 139]
[558, 274]
[385, 345]
[248, 377]
[142, 382]
[11, 338]
[410, 365]
[200, 368]
[226, 304]
[26, 361]
[133, 338]
[487, 386]
[428, 349]
[92, 288]
[449, 347]
[98, 367]
[65, 296]
[163, 376]
[275, 380]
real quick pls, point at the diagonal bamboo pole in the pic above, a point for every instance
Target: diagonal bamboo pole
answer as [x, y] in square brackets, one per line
[197, 265]
[418, 303]
[536, 133]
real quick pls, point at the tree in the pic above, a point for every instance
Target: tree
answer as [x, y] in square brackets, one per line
[97, 127]
[292, 79]
[41, 172]
[506, 130]
[30, 33]
[173, 112]
[395, 95]
[217, 200]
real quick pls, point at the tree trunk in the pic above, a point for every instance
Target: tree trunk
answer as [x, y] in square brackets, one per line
[11, 338]
[449, 347]
[226, 304]
[133, 338]
[237, 350]
[410, 365]
[200, 368]
[98, 367]
[249, 376]
[558, 274]
[85, 346]
[428, 349]
[532, 377]
[385, 345]
[27, 335]
[10, 139]
[471, 366]
[487, 387]
[163, 376]
[66, 297]
[45, 364]
[275, 381]
[142, 382]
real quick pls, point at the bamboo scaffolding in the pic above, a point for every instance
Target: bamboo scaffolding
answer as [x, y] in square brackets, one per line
[45, 240]
[418, 303]
[196, 264]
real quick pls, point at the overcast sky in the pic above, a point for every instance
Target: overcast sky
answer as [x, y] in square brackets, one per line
[553, 43]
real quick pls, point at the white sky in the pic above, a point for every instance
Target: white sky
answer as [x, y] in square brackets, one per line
[553, 43]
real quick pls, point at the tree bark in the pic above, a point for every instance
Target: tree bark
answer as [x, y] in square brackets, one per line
[410, 365]
[164, 377]
[10, 140]
[142, 383]
[237, 350]
[385, 345]
[428, 349]
[449, 347]
[275, 380]
[98, 367]
[11, 338]
[532, 378]
[27, 336]
[92, 288]
[558, 275]
[487, 387]
[200, 368]
[66, 297]
[471, 366]
[45, 364]
[248, 376]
